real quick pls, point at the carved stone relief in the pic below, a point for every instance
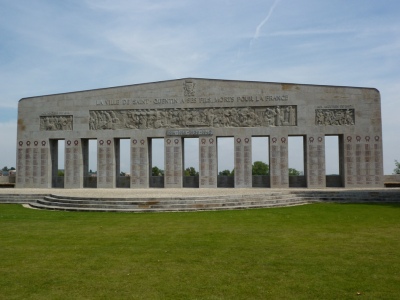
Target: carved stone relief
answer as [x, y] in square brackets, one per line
[188, 88]
[334, 117]
[53, 123]
[194, 117]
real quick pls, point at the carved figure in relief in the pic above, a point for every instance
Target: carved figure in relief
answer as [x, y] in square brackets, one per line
[52, 123]
[334, 117]
[191, 117]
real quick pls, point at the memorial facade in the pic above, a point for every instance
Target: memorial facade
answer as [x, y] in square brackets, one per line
[207, 109]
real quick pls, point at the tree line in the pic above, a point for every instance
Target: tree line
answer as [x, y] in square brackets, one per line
[258, 168]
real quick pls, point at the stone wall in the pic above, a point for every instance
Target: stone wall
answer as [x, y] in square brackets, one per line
[206, 109]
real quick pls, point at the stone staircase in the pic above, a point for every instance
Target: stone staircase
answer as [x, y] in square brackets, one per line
[20, 198]
[198, 203]
[350, 196]
[273, 199]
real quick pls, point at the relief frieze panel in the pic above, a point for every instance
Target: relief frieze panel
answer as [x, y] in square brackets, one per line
[334, 117]
[268, 116]
[54, 123]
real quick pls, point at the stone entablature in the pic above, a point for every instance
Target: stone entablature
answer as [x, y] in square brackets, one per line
[207, 109]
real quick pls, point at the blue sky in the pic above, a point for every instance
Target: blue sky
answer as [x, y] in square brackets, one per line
[50, 46]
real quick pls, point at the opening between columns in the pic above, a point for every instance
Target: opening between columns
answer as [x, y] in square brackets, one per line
[296, 159]
[156, 162]
[191, 164]
[89, 163]
[260, 161]
[57, 152]
[225, 154]
[334, 160]
[123, 162]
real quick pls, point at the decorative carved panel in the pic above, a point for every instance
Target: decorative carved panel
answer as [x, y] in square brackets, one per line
[193, 117]
[53, 123]
[334, 117]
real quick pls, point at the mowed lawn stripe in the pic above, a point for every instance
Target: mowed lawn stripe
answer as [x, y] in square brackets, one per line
[319, 251]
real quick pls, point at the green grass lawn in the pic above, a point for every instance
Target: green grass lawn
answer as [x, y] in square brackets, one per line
[319, 251]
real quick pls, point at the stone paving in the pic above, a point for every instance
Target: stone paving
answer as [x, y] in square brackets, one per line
[170, 193]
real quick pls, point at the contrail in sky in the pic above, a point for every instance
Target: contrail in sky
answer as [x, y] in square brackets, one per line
[258, 29]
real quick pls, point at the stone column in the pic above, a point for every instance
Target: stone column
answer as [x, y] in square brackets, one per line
[173, 174]
[22, 160]
[363, 161]
[208, 162]
[139, 162]
[73, 164]
[315, 161]
[376, 157]
[278, 161]
[243, 162]
[106, 167]
[33, 164]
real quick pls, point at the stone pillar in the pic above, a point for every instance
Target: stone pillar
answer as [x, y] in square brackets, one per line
[21, 180]
[278, 161]
[243, 162]
[315, 161]
[208, 162]
[106, 166]
[139, 162]
[376, 159]
[173, 174]
[363, 161]
[73, 164]
[33, 164]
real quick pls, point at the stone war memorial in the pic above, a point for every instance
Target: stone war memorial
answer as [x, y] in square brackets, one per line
[206, 109]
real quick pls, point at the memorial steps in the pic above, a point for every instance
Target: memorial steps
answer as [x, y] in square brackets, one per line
[184, 203]
[274, 199]
[20, 198]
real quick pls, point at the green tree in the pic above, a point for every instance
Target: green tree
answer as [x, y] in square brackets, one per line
[227, 173]
[260, 168]
[12, 168]
[191, 171]
[60, 173]
[155, 171]
[293, 172]
[397, 169]
[5, 168]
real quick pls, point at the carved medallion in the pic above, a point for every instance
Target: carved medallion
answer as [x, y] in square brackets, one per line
[189, 88]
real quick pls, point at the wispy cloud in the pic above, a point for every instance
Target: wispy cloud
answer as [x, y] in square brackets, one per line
[312, 32]
[263, 22]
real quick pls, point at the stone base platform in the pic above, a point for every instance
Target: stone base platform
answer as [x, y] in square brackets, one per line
[162, 200]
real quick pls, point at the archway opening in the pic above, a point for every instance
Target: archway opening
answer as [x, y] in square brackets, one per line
[332, 161]
[156, 162]
[225, 154]
[191, 162]
[260, 161]
[296, 161]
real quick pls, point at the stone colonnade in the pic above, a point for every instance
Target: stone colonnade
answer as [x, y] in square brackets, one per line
[359, 159]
